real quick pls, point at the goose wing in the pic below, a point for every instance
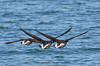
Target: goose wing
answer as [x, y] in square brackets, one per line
[14, 41]
[76, 36]
[64, 32]
[47, 36]
[32, 35]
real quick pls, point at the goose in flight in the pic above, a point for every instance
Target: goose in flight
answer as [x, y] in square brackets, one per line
[29, 41]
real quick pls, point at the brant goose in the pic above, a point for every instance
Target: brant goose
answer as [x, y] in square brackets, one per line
[28, 41]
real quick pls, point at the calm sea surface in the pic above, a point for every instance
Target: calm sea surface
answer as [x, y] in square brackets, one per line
[52, 17]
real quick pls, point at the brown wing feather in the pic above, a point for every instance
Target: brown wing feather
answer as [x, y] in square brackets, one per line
[47, 36]
[14, 41]
[76, 36]
[64, 32]
[33, 36]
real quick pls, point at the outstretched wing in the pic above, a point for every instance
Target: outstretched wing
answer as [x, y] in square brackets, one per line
[14, 41]
[76, 36]
[47, 36]
[64, 32]
[33, 36]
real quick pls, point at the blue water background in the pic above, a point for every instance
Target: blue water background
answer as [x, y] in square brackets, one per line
[52, 17]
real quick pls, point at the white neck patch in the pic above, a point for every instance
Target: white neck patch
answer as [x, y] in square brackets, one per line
[60, 45]
[45, 46]
[25, 43]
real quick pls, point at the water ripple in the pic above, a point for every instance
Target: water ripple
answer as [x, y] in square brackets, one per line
[47, 12]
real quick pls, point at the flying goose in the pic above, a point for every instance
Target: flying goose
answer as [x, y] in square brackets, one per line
[28, 41]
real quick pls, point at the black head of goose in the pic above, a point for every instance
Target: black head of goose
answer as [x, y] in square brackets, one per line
[60, 43]
[44, 44]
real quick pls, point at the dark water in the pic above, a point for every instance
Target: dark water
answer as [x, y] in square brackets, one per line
[52, 17]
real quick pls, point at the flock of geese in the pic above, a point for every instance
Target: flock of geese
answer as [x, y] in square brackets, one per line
[44, 44]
